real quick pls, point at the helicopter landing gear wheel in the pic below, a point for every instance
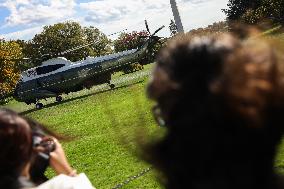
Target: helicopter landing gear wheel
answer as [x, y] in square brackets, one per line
[39, 106]
[111, 86]
[58, 98]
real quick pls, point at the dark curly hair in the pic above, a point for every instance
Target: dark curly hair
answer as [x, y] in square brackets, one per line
[15, 148]
[221, 99]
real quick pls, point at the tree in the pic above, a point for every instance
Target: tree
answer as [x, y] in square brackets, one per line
[9, 72]
[102, 43]
[255, 11]
[128, 41]
[62, 37]
[272, 10]
[173, 28]
[24, 64]
[216, 27]
[236, 8]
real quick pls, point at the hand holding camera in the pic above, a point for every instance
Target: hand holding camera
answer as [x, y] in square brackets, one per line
[49, 153]
[46, 145]
[43, 146]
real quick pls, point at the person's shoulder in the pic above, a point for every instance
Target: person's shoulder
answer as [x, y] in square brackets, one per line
[66, 182]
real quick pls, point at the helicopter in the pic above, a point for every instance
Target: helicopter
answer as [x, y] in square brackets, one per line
[57, 76]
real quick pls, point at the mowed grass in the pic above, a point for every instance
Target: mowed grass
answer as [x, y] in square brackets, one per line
[106, 127]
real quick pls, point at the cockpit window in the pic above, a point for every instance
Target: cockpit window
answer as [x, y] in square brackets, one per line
[49, 68]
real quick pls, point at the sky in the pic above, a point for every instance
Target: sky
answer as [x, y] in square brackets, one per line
[22, 19]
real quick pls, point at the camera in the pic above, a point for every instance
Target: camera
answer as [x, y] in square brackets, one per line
[41, 159]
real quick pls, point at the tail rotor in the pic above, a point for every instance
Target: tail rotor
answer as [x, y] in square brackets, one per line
[148, 30]
[147, 27]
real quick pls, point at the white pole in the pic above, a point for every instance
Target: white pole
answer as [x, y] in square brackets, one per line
[176, 16]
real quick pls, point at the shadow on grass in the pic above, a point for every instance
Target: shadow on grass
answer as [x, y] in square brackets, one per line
[77, 98]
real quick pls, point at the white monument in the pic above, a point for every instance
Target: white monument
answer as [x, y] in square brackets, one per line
[176, 16]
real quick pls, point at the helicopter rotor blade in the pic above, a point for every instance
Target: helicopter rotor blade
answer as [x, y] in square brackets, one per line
[45, 55]
[147, 27]
[51, 55]
[14, 59]
[76, 48]
[82, 46]
[157, 31]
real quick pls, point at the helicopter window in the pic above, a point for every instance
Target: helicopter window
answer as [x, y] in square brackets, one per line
[47, 69]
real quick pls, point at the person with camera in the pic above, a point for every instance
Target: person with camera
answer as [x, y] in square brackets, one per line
[27, 148]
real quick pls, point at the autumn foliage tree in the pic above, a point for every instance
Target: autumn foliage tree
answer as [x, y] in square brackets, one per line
[9, 73]
[128, 41]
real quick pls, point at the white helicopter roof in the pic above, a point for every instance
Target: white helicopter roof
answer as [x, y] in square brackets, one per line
[32, 73]
[67, 64]
[58, 60]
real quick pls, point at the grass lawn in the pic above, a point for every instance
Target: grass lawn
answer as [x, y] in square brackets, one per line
[106, 126]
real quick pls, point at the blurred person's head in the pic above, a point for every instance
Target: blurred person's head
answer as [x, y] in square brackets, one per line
[222, 102]
[15, 147]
